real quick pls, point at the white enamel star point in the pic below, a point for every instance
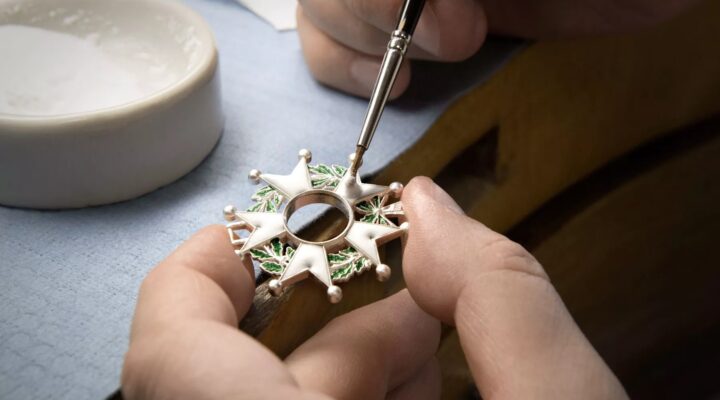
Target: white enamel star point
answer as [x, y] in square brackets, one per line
[308, 259]
[290, 185]
[265, 227]
[366, 237]
[372, 219]
[353, 190]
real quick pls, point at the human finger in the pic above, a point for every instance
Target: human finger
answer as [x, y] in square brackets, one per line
[447, 30]
[205, 359]
[341, 67]
[185, 343]
[518, 337]
[203, 279]
[339, 22]
[336, 20]
[426, 384]
[368, 352]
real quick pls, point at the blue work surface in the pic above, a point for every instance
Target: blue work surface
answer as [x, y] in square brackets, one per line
[69, 279]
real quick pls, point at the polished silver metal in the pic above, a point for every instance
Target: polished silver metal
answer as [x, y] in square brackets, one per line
[254, 231]
[319, 196]
[399, 40]
[254, 176]
[383, 272]
[366, 237]
[397, 188]
[355, 191]
[308, 259]
[334, 294]
[396, 49]
[297, 182]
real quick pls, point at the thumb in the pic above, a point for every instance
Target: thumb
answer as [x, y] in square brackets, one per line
[518, 337]
[447, 250]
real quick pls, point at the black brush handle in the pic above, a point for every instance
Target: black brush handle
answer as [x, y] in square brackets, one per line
[398, 45]
[410, 15]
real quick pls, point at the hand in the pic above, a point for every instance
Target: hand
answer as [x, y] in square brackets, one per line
[517, 335]
[185, 343]
[343, 40]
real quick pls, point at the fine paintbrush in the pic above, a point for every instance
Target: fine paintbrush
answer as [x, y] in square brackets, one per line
[394, 55]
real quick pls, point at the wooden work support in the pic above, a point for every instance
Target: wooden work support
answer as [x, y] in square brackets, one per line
[631, 261]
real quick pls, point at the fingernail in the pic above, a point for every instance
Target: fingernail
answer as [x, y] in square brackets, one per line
[364, 72]
[441, 197]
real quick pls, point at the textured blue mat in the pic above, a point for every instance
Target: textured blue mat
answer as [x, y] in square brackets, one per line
[68, 279]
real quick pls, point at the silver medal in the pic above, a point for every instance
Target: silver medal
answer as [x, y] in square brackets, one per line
[262, 233]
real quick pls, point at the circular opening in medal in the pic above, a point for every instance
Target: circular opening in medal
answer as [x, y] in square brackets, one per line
[332, 216]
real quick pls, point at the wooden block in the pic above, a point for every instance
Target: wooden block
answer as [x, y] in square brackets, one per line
[632, 252]
[555, 114]
[562, 109]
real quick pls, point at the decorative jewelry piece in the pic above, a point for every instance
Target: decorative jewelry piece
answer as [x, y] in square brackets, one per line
[262, 233]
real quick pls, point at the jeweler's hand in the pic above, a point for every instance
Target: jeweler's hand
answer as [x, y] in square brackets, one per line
[185, 343]
[343, 40]
[518, 337]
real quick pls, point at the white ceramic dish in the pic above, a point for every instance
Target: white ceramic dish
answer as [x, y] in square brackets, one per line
[114, 99]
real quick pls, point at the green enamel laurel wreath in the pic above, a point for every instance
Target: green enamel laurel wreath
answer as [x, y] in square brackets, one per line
[276, 255]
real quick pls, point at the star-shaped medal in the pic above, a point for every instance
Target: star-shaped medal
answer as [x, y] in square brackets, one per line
[280, 252]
